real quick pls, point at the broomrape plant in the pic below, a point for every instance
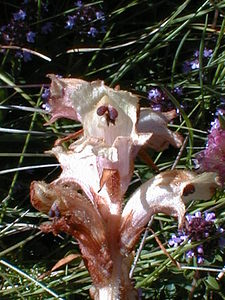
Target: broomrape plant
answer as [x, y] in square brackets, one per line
[87, 200]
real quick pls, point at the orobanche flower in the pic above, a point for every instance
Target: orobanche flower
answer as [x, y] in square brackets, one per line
[86, 201]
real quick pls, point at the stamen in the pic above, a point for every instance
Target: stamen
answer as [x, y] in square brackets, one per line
[101, 110]
[113, 113]
[110, 112]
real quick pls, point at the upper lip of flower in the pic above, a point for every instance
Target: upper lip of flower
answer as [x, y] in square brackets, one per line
[109, 121]
[105, 113]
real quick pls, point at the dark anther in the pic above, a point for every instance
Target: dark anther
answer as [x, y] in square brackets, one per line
[113, 113]
[101, 110]
[110, 112]
[189, 189]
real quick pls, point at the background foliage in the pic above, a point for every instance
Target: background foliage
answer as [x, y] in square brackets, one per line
[170, 53]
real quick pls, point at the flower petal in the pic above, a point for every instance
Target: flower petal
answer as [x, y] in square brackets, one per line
[156, 122]
[166, 193]
[78, 217]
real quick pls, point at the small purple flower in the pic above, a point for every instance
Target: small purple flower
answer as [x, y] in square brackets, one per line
[46, 106]
[200, 260]
[196, 54]
[47, 28]
[177, 240]
[159, 101]
[155, 95]
[46, 94]
[200, 250]
[92, 32]
[207, 53]
[30, 36]
[194, 64]
[70, 22]
[20, 15]
[221, 109]
[78, 3]
[210, 217]
[190, 254]
[178, 90]
[100, 16]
